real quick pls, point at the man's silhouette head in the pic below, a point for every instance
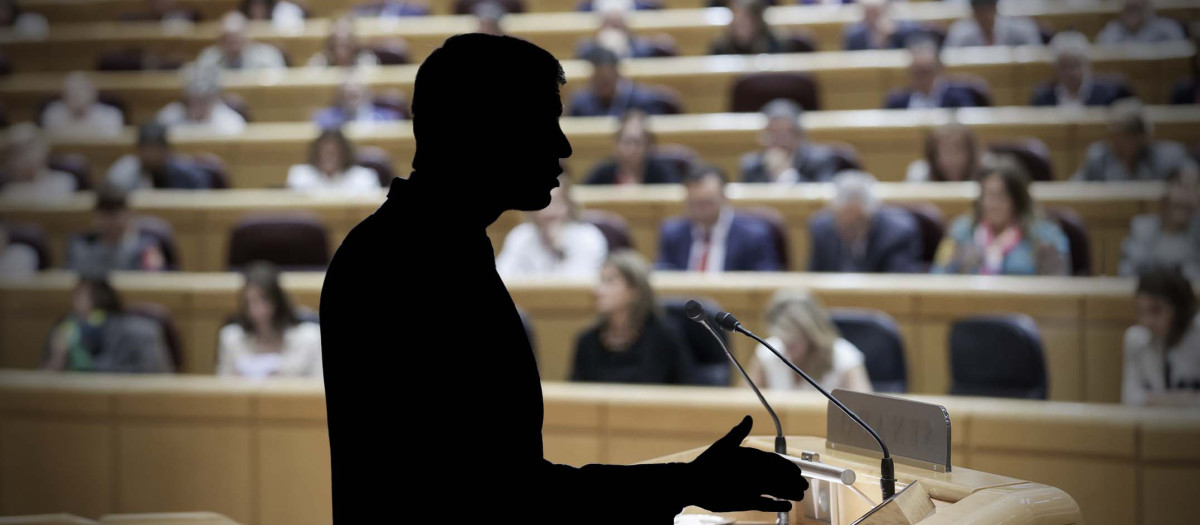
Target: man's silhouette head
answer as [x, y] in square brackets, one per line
[485, 116]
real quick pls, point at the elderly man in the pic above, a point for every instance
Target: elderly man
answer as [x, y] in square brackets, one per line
[858, 234]
[78, 113]
[202, 105]
[235, 50]
[1131, 153]
[1139, 24]
[1075, 86]
[787, 157]
[986, 28]
[928, 86]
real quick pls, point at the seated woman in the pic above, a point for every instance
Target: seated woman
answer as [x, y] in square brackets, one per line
[747, 33]
[802, 330]
[633, 162]
[26, 171]
[1171, 236]
[951, 154]
[630, 343]
[1162, 351]
[331, 167]
[1004, 235]
[96, 336]
[553, 242]
[268, 339]
[342, 48]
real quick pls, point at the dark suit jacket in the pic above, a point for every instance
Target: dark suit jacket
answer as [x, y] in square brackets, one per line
[857, 36]
[955, 95]
[749, 246]
[656, 172]
[1104, 92]
[814, 162]
[584, 103]
[1186, 92]
[893, 244]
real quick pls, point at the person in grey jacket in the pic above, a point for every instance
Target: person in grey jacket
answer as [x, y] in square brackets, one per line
[1171, 236]
[1130, 152]
[787, 157]
[97, 336]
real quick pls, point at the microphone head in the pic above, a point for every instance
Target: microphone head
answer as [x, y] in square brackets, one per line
[693, 310]
[727, 321]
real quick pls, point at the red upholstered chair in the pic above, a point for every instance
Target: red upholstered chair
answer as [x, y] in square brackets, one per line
[378, 159]
[778, 227]
[33, 236]
[932, 225]
[76, 165]
[613, 226]
[290, 241]
[1078, 241]
[751, 92]
[1031, 153]
[800, 41]
[162, 316]
[466, 7]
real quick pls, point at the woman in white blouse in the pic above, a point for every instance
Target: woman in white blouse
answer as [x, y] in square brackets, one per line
[553, 241]
[802, 330]
[1162, 351]
[268, 339]
[331, 167]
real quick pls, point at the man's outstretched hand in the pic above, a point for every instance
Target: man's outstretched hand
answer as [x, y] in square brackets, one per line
[730, 477]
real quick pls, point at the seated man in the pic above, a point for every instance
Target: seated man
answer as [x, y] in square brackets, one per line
[1139, 24]
[79, 113]
[26, 169]
[1130, 152]
[155, 165]
[787, 157]
[1170, 236]
[235, 50]
[354, 103]
[610, 94]
[986, 28]
[857, 234]
[116, 243]
[712, 237]
[1075, 85]
[878, 30]
[928, 86]
[202, 105]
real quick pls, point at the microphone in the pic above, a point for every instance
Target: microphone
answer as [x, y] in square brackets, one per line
[887, 469]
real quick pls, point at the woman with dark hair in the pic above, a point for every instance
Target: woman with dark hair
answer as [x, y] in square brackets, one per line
[633, 162]
[629, 343]
[951, 154]
[748, 32]
[331, 167]
[342, 48]
[1005, 234]
[97, 336]
[1162, 351]
[268, 338]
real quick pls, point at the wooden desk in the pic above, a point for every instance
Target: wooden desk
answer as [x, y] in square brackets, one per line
[76, 45]
[848, 80]
[258, 452]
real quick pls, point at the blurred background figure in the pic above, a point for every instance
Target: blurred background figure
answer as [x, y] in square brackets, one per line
[1074, 85]
[1171, 236]
[332, 166]
[985, 27]
[284, 16]
[98, 336]
[858, 234]
[342, 48]
[27, 173]
[747, 33]
[78, 113]
[928, 86]
[951, 154]
[20, 22]
[1162, 351]
[235, 50]
[630, 342]
[1005, 234]
[167, 11]
[16, 259]
[614, 35]
[553, 241]
[608, 93]
[267, 337]
[1139, 23]
[155, 165]
[712, 236]
[355, 102]
[489, 18]
[115, 242]
[878, 30]
[202, 107]
[1130, 152]
[787, 156]
[802, 331]
[633, 161]
[1187, 90]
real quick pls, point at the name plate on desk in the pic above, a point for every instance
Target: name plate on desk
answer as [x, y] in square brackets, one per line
[916, 433]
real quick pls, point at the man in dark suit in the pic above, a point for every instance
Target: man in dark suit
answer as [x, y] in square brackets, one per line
[787, 157]
[856, 234]
[1075, 85]
[610, 94]
[712, 237]
[412, 309]
[878, 30]
[928, 86]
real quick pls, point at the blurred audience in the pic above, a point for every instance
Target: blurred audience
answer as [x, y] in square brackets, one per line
[355, 102]
[614, 35]
[267, 337]
[155, 165]
[787, 156]
[633, 161]
[985, 27]
[617, 5]
[115, 243]
[878, 30]
[16, 259]
[1004, 234]
[22, 23]
[803, 332]
[235, 50]
[712, 236]
[951, 154]
[79, 113]
[553, 241]
[1074, 85]
[163, 11]
[332, 166]
[391, 9]
[630, 342]
[608, 93]
[27, 172]
[342, 48]
[202, 106]
[489, 17]
[858, 234]
[1187, 91]
[747, 33]
[98, 336]
[928, 86]
[1162, 351]
[283, 15]
[1139, 23]
[1171, 236]
[1130, 152]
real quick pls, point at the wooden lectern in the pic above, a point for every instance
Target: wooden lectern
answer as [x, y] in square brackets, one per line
[960, 497]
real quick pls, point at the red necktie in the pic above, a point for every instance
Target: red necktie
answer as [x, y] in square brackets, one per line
[703, 266]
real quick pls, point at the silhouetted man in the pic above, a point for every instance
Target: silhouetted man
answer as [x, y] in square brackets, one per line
[433, 394]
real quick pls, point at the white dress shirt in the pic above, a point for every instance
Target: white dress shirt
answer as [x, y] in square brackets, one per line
[356, 179]
[18, 260]
[222, 120]
[300, 355]
[1146, 363]
[582, 247]
[100, 120]
[49, 184]
[715, 245]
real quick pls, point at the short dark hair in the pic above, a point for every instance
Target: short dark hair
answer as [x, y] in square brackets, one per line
[110, 199]
[152, 134]
[602, 56]
[265, 276]
[1169, 284]
[699, 171]
[344, 147]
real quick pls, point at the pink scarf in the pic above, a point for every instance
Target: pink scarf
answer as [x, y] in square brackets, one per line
[995, 247]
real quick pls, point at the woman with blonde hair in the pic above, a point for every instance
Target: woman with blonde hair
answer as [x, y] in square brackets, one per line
[803, 332]
[630, 342]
